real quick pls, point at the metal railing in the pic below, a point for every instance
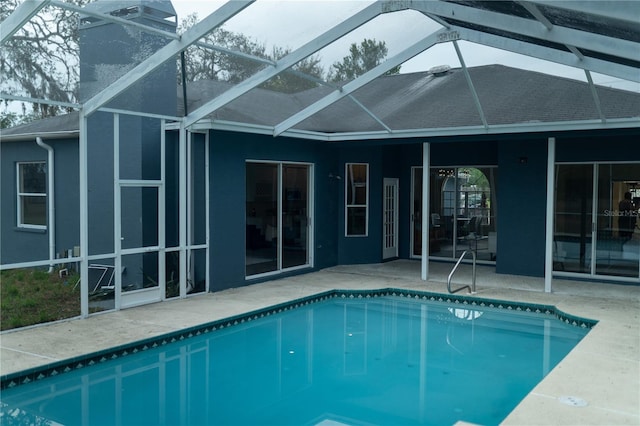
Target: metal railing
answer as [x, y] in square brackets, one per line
[472, 288]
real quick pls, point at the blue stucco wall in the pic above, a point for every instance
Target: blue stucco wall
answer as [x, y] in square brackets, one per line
[22, 245]
[100, 183]
[410, 155]
[228, 155]
[521, 192]
[521, 207]
[139, 159]
[365, 249]
[453, 153]
[622, 145]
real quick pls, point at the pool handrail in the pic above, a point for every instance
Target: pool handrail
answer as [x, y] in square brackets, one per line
[472, 288]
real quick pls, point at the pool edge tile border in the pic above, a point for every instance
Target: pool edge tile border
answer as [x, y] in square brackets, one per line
[18, 378]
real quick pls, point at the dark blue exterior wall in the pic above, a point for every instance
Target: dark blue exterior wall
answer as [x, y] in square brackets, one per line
[362, 249]
[100, 183]
[228, 155]
[394, 166]
[455, 153]
[521, 191]
[139, 159]
[23, 245]
[410, 155]
[521, 207]
[622, 145]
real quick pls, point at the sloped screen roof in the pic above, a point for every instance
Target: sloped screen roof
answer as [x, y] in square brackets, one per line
[596, 38]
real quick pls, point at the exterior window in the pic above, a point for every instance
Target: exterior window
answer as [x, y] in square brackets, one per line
[357, 199]
[32, 195]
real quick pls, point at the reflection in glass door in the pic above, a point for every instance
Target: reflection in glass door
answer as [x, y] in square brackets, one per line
[573, 218]
[262, 218]
[463, 212]
[295, 205]
[416, 212]
[597, 235]
[277, 221]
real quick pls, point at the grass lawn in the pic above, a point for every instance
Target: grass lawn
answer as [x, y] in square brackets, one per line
[31, 296]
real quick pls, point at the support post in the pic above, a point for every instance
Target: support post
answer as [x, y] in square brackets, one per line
[84, 217]
[162, 211]
[426, 163]
[117, 214]
[551, 178]
[183, 210]
[207, 207]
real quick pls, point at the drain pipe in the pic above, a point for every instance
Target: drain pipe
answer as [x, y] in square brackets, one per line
[50, 202]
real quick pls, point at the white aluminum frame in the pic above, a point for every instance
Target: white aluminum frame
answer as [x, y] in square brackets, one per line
[426, 209]
[550, 222]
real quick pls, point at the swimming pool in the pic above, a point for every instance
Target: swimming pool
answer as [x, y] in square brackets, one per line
[374, 357]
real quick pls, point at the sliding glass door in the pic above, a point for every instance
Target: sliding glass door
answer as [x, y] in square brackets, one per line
[295, 208]
[278, 206]
[596, 226]
[573, 217]
[463, 212]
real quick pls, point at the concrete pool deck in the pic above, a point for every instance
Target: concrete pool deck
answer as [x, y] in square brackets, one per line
[603, 370]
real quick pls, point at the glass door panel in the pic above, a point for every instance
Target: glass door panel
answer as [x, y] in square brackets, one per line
[295, 207]
[573, 218]
[196, 274]
[617, 236]
[139, 271]
[416, 212]
[462, 212]
[172, 274]
[262, 218]
[139, 217]
[442, 207]
[476, 219]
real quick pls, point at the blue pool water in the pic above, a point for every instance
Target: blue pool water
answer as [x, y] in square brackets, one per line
[341, 360]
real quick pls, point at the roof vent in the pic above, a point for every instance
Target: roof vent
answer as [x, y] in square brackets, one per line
[440, 70]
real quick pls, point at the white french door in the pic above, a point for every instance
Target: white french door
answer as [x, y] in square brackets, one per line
[390, 218]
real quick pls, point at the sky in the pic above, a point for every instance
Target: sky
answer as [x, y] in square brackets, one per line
[291, 23]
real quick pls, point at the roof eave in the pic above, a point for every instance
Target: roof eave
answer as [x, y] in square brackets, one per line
[496, 129]
[44, 135]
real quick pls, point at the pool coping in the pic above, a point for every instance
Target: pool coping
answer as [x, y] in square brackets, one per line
[18, 378]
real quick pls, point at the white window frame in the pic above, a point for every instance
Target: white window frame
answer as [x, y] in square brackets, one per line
[20, 195]
[348, 205]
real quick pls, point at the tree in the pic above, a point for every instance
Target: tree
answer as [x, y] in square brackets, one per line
[203, 63]
[8, 119]
[292, 82]
[41, 59]
[361, 59]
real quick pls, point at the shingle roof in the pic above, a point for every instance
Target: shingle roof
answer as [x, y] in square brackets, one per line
[407, 101]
